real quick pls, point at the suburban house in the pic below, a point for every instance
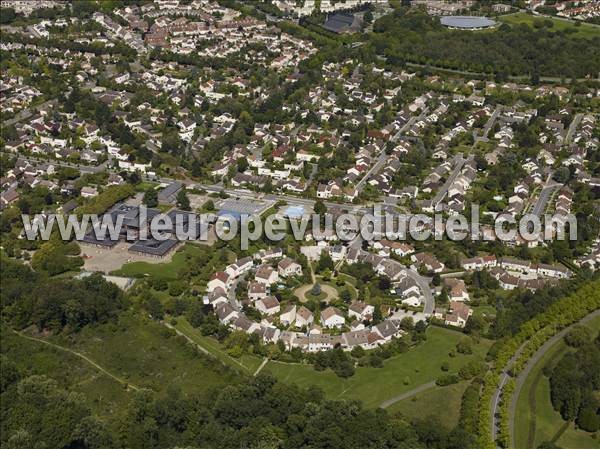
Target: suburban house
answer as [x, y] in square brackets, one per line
[458, 314]
[356, 338]
[400, 248]
[219, 279]
[216, 297]
[361, 310]
[240, 267]
[553, 271]
[457, 290]
[386, 330]
[226, 313]
[266, 274]
[479, 263]
[332, 317]
[242, 323]
[287, 267]
[256, 290]
[288, 315]
[304, 317]
[268, 305]
[428, 261]
[268, 254]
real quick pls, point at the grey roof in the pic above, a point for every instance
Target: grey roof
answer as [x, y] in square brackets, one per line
[355, 338]
[386, 329]
[339, 22]
[467, 22]
[153, 247]
[169, 193]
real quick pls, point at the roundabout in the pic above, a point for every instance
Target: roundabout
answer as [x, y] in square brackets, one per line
[327, 294]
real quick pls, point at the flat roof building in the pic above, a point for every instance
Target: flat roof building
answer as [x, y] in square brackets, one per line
[169, 193]
[467, 22]
[341, 22]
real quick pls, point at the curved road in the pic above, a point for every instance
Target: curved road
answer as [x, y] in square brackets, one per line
[522, 377]
[504, 376]
[423, 283]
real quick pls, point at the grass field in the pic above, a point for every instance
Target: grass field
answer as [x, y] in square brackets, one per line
[427, 404]
[374, 385]
[248, 363]
[535, 420]
[168, 270]
[142, 352]
[371, 385]
[585, 30]
[106, 395]
[146, 354]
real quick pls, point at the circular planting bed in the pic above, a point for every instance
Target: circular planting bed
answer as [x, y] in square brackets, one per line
[306, 293]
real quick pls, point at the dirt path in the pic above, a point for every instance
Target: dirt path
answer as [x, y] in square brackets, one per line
[262, 365]
[81, 356]
[206, 351]
[407, 394]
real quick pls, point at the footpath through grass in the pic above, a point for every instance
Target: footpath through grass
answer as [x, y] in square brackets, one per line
[399, 374]
[247, 363]
[134, 348]
[427, 404]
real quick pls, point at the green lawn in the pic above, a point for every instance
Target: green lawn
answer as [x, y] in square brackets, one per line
[545, 422]
[248, 363]
[374, 385]
[347, 286]
[169, 270]
[427, 404]
[587, 31]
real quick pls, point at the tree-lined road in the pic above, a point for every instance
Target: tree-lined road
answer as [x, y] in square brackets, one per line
[522, 377]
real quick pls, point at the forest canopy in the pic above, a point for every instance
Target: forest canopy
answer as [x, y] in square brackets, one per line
[413, 36]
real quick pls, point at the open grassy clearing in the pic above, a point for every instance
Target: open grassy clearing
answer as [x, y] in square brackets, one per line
[585, 30]
[33, 358]
[400, 373]
[427, 404]
[531, 429]
[347, 286]
[142, 352]
[147, 354]
[169, 270]
[248, 363]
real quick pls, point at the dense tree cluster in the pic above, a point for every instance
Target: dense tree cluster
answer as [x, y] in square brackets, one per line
[531, 336]
[37, 413]
[30, 298]
[257, 413]
[521, 305]
[411, 35]
[575, 383]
